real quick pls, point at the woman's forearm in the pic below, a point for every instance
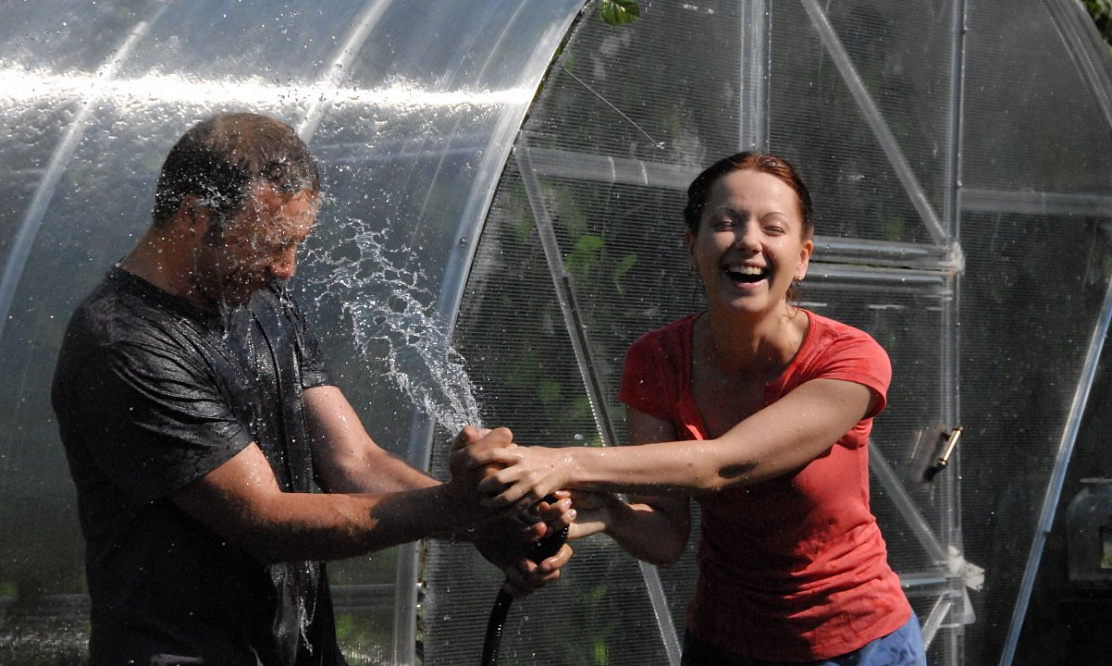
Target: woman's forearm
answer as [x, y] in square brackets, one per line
[655, 534]
[663, 468]
[781, 438]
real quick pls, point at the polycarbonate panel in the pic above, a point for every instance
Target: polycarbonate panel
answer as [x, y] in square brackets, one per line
[959, 154]
[538, 389]
[860, 102]
[411, 109]
[866, 99]
[1032, 289]
[1017, 135]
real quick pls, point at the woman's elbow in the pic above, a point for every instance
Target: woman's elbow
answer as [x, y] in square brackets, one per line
[666, 557]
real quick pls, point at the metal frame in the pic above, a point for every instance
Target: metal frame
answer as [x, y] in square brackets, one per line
[1076, 30]
[890, 267]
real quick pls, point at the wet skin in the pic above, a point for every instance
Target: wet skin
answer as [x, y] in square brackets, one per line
[750, 245]
[256, 247]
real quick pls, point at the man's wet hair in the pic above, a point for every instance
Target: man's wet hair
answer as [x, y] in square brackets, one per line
[219, 160]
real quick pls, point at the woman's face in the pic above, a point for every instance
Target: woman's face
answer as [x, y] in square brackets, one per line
[750, 244]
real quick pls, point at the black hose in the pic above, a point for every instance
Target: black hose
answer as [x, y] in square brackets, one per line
[494, 627]
[544, 548]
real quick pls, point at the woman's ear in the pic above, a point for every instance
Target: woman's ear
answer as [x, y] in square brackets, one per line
[804, 260]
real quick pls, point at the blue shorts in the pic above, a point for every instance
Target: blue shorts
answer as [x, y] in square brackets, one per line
[902, 647]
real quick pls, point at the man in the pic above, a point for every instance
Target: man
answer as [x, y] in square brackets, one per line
[216, 464]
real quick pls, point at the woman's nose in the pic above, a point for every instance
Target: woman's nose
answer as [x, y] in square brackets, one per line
[748, 237]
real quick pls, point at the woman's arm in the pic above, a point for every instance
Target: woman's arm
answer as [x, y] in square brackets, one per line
[654, 529]
[775, 440]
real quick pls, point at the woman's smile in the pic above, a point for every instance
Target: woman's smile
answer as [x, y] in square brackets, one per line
[750, 242]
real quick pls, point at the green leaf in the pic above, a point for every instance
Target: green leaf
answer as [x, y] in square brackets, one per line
[624, 266]
[587, 248]
[619, 12]
[549, 391]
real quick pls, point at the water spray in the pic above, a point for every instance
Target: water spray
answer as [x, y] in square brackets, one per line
[392, 313]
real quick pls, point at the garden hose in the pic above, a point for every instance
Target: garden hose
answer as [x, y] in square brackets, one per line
[542, 549]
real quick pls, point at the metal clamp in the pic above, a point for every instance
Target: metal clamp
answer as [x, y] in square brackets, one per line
[943, 460]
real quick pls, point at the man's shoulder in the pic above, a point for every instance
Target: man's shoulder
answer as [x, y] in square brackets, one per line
[115, 311]
[124, 321]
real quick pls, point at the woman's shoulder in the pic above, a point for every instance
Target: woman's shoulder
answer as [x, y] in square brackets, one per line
[668, 346]
[831, 331]
[676, 332]
[831, 341]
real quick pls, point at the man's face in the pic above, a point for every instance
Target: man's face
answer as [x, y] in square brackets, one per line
[256, 247]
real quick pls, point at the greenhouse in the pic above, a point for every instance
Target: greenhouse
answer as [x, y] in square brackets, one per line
[504, 184]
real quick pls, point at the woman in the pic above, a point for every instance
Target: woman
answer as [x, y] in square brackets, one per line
[760, 411]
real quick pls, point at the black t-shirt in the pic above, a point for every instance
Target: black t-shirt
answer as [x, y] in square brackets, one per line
[152, 393]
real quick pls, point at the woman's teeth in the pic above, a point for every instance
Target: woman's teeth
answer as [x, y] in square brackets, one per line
[748, 274]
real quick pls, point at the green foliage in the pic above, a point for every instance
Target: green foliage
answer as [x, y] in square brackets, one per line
[1101, 11]
[619, 12]
[624, 266]
[549, 391]
[587, 248]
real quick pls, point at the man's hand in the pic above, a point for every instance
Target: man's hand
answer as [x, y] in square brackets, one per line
[466, 474]
[528, 576]
[506, 543]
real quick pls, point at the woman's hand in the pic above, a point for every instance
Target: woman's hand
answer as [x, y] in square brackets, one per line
[594, 513]
[520, 475]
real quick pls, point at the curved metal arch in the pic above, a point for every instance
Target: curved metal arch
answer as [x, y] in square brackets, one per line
[44, 193]
[496, 152]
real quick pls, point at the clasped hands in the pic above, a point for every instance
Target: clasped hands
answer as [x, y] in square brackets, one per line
[510, 528]
[505, 475]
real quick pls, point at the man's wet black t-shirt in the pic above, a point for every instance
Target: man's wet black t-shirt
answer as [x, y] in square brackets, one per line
[152, 393]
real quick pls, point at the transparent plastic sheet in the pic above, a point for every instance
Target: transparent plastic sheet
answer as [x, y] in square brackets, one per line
[411, 109]
[985, 295]
[861, 99]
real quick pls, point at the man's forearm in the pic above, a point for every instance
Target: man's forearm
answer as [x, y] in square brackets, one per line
[241, 500]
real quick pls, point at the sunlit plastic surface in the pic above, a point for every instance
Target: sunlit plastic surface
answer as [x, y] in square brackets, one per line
[412, 108]
[960, 158]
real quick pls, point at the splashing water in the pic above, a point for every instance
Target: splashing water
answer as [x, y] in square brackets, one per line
[390, 319]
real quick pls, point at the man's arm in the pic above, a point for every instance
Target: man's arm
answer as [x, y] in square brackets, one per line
[346, 458]
[242, 501]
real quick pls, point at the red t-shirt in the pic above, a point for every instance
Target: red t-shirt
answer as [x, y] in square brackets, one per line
[794, 568]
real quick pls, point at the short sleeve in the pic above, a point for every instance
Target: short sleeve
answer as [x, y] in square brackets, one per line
[158, 421]
[855, 356]
[649, 384]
